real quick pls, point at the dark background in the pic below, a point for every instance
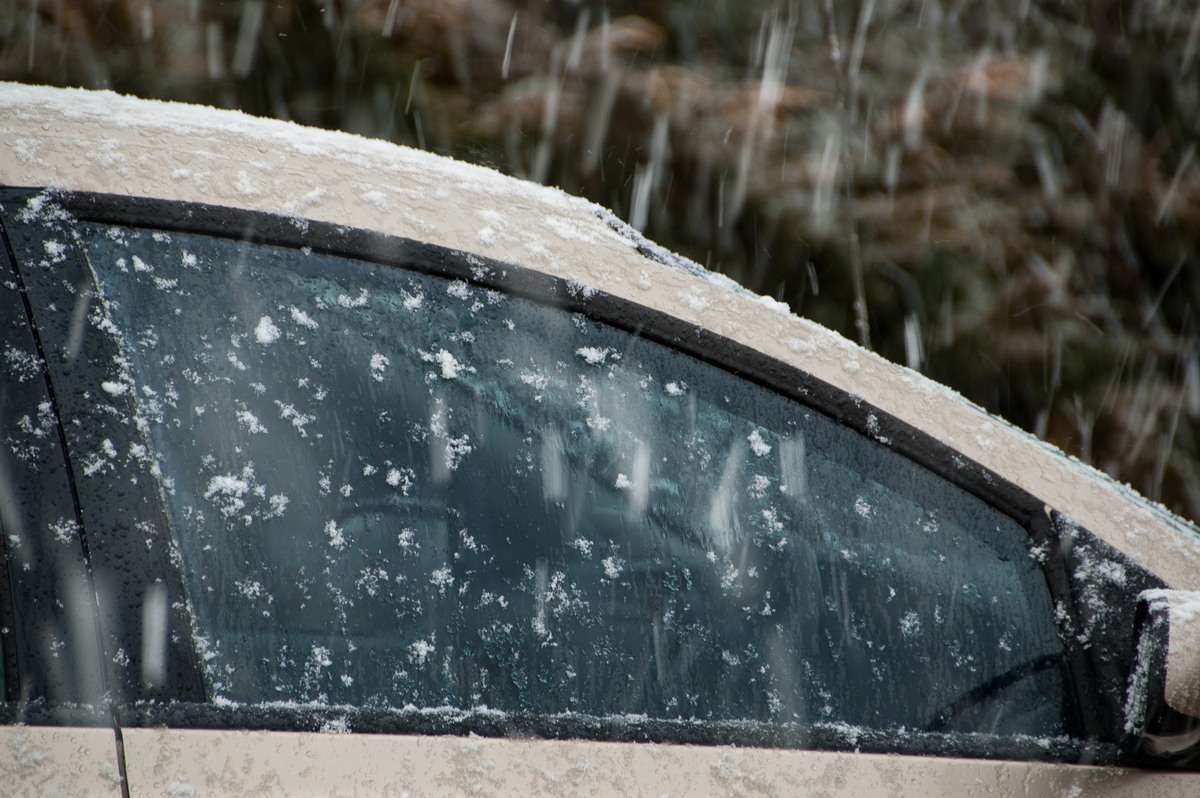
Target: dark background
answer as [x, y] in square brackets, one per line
[1004, 195]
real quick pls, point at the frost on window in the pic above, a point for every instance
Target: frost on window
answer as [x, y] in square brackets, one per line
[393, 490]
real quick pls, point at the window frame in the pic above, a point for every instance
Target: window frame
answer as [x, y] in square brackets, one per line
[1093, 685]
[36, 562]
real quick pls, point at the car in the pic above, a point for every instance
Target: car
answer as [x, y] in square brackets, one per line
[335, 467]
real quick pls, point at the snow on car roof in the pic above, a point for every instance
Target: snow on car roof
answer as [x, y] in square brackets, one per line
[103, 142]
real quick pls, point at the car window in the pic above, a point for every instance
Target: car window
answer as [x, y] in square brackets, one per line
[393, 489]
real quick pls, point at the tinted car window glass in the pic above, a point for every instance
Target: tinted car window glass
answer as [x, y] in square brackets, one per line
[394, 489]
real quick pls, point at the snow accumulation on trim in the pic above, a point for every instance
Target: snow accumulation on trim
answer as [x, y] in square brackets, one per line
[102, 142]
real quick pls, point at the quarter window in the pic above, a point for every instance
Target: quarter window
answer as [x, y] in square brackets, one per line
[391, 489]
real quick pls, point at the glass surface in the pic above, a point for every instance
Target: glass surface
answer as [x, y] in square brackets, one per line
[391, 489]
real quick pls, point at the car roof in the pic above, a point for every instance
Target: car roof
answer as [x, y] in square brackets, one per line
[92, 141]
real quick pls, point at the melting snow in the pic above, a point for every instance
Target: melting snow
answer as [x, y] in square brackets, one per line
[302, 318]
[450, 367]
[250, 422]
[26, 366]
[227, 492]
[278, 503]
[266, 332]
[379, 364]
[336, 535]
[421, 651]
[757, 445]
[299, 420]
[360, 301]
[65, 530]
[400, 478]
[595, 355]
[613, 566]
[441, 578]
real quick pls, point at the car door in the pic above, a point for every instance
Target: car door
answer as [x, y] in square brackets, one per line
[333, 481]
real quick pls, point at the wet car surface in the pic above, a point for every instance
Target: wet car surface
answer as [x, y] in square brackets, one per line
[410, 451]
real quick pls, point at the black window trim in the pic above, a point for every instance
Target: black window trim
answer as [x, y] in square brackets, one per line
[1043, 524]
[28, 606]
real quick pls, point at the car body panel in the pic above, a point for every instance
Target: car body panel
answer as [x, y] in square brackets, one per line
[45, 761]
[97, 141]
[217, 763]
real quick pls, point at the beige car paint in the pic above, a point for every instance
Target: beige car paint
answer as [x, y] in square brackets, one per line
[97, 141]
[51, 762]
[166, 762]
[1182, 688]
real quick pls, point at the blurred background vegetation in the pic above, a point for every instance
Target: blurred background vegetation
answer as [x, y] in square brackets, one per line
[1002, 194]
